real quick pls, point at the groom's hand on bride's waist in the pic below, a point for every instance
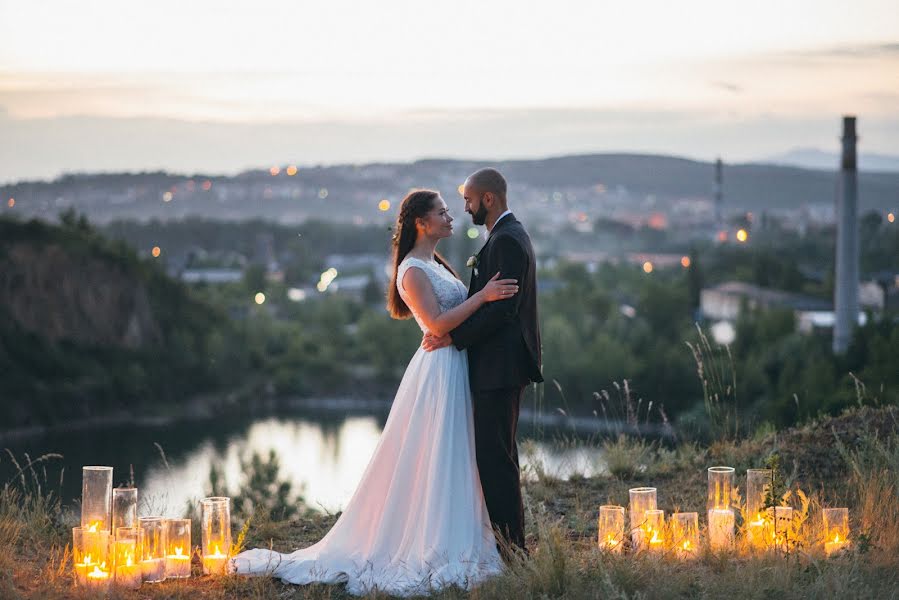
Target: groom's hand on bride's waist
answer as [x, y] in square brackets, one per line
[431, 342]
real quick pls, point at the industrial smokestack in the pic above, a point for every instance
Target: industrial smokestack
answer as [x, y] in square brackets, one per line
[845, 293]
[719, 192]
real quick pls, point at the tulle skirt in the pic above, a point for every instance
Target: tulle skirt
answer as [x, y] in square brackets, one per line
[417, 522]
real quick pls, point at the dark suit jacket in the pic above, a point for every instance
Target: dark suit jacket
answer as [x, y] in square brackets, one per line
[503, 337]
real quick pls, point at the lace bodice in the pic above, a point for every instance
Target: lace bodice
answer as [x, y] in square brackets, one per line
[450, 291]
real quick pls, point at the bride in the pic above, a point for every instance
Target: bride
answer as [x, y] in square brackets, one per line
[417, 522]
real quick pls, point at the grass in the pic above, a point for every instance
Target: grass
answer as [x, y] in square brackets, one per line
[851, 460]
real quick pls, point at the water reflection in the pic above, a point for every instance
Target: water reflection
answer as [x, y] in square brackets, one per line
[322, 456]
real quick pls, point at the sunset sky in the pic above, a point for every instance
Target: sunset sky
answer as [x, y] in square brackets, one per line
[216, 86]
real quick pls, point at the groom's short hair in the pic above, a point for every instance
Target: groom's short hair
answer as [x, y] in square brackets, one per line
[489, 180]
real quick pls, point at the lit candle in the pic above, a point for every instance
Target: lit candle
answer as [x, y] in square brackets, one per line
[758, 531]
[128, 574]
[98, 577]
[721, 528]
[177, 564]
[214, 563]
[836, 545]
[153, 569]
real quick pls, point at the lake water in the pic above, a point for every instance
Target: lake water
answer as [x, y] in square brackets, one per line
[322, 454]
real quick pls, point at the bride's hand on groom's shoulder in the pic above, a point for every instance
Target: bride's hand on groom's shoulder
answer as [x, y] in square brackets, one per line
[431, 342]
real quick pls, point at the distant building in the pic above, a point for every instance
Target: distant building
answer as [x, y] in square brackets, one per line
[724, 302]
[211, 275]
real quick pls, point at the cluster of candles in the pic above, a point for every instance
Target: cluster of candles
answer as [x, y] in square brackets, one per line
[113, 544]
[766, 528]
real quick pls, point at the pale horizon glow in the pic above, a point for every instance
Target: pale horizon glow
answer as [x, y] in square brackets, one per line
[394, 62]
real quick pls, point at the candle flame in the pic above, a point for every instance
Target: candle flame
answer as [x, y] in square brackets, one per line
[129, 561]
[611, 541]
[87, 561]
[836, 538]
[93, 527]
[686, 544]
[178, 551]
[655, 539]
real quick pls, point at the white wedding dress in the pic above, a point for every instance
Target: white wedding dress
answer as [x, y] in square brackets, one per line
[417, 522]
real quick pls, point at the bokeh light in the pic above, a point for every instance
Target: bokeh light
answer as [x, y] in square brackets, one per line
[207, 185]
[647, 267]
[274, 171]
[167, 197]
[260, 298]
[11, 202]
[156, 251]
[742, 235]
[291, 170]
[890, 216]
[472, 232]
[685, 262]
[384, 205]
[323, 193]
[461, 188]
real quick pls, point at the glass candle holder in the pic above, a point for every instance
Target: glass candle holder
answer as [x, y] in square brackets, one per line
[641, 500]
[654, 530]
[90, 556]
[685, 534]
[758, 518]
[96, 498]
[127, 566]
[611, 528]
[152, 549]
[836, 531]
[783, 527]
[721, 515]
[215, 522]
[124, 508]
[177, 555]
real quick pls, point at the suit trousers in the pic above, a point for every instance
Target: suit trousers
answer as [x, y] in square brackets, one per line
[495, 427]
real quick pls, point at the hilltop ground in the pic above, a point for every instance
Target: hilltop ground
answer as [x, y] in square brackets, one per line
[851, 460]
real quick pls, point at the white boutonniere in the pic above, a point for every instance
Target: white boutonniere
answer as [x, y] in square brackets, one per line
[473, 263]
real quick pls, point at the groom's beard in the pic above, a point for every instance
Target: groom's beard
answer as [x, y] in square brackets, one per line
[479, 217]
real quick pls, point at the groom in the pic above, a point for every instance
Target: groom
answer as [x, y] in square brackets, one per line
[503, 342]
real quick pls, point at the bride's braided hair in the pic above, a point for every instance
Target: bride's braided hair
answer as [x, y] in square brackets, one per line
[414, 206]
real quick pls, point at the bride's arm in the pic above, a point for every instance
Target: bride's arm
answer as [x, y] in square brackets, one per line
[423, 301]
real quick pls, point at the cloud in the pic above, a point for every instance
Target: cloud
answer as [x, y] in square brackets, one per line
[854, 51]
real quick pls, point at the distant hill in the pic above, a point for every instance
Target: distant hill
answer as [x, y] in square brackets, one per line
[88, 330]
[352, 191]
[814, 158]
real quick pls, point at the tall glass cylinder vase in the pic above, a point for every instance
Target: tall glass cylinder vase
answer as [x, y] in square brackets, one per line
[177, 556]
[127, 564]
[641, 500]
[654, 530]
[124, 508]
[152, 548]
[836, 530]
[215, 522]
[96, 498]
[759, 531]
[720, 511]
[611, 528]
[783, 527]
